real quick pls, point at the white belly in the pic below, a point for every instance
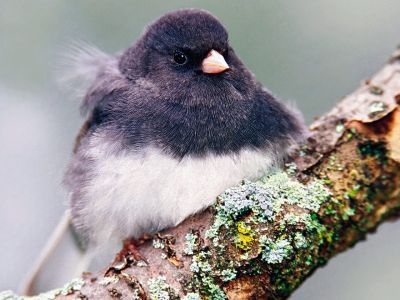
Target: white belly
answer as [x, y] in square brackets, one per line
[130, 194]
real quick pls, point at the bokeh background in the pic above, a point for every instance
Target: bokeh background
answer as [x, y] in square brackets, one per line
[308, 52]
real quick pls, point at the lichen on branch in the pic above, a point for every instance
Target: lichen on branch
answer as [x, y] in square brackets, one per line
[262, 239]
[259, 226]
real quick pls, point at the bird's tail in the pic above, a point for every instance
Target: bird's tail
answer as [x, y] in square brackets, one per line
[60, 260]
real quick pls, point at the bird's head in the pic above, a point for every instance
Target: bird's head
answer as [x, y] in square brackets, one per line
[186, 54]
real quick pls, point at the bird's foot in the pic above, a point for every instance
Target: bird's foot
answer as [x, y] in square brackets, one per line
[129, 250]
[129, 254]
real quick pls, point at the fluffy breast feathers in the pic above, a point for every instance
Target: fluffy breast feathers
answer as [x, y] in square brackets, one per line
[131, 193]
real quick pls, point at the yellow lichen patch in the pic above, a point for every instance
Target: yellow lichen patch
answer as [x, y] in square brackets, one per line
[244, 237]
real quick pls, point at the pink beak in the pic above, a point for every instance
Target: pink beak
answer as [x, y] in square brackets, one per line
[214, 63]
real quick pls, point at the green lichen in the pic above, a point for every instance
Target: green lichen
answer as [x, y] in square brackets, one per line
[350, 134]
[200, 263]
[330, 209]
[348, 212]
[369, 207]
[291, 219]
[191, 243]
[228, 274]
[373, 149]
[205, 275]
[291, 168]
[9, 295]
[352, 193]
[212, 289]
[340, 128]
[192, 296]
[300, 241]
[69, 288]
[265, 198]
[73, 286]
[314, 225]
[269, 219]
[286, 191]
[334, 164]
[158, 244]
[327, 181]
[160, 290]
[275, 251]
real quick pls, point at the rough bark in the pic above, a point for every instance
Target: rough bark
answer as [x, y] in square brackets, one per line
[263, 239]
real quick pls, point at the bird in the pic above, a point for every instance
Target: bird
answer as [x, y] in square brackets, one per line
[170, 123]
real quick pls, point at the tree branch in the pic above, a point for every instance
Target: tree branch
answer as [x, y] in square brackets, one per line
[263, 239]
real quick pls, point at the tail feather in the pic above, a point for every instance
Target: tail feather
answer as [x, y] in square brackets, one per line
[60, 260]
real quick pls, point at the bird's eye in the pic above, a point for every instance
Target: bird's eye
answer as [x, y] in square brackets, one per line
[180, 58]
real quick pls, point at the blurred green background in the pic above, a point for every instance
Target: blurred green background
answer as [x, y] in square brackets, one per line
[308, 52]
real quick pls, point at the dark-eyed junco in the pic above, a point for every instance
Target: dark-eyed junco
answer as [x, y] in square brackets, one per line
[171, 123]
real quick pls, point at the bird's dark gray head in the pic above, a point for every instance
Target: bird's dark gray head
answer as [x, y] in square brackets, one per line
[187, 54]
[182, 87]
[194, 32]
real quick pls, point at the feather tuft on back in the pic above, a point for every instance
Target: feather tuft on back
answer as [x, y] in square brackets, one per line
[85, 70]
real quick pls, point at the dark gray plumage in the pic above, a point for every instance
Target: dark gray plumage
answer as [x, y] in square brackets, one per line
[169, 129]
